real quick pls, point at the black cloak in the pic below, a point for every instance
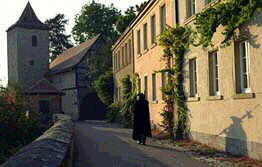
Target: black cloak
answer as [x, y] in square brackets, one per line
[141, 119]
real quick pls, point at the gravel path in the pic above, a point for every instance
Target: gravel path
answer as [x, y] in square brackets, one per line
[100, 144]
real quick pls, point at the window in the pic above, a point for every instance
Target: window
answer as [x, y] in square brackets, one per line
[164, 81]
[192, 78]
[139, 85]
[213, 74]
[44, 106]
[153, 29]
[31, 62]
[154, 96]
[162, 18]
[123, 56]
[191, 8]
[145, 36]
[119, 59]
[130, 51]
[126, 54]
[177, 11]
[138, 42]
[145, 87]
[116, 94]
[34, 41]
[242, 58]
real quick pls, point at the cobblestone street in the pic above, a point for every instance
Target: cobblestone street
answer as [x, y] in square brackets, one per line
[99, 144]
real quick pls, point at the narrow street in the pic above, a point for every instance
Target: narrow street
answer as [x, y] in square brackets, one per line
[99, 144]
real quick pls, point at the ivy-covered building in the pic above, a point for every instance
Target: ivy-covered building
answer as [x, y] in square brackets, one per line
[222, 84]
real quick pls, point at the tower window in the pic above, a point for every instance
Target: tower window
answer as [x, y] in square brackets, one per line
[31, 62]
[34, 41]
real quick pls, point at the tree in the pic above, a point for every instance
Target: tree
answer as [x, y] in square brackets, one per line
[59, 41]
[140, 7]
[129, 15]
[96, 18]
[124, 21]
[104, 86]
[99, 63]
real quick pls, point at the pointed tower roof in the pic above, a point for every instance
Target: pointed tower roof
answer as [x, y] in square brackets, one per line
[29, 20]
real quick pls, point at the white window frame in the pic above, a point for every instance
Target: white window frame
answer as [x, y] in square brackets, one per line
[247, 64]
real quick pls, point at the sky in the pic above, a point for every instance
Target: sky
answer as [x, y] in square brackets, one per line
[11, 10]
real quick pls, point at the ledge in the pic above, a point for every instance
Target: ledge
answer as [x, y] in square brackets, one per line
[153, 45]
[54, 148]
[139, 55]
[189, 19]
[244, 96]
[145, 51]
[193, 99]
[213, 98]
[155, 102]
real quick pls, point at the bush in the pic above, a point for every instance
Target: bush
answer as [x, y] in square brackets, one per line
[17, 129]
[104, 87]
[113, 114]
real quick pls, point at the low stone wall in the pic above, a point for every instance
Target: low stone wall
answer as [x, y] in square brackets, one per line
[53, 149]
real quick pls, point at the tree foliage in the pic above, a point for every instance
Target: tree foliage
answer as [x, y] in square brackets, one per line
[129, 92]
[231, 14]
[104, 87]
[58, 40]
[99, 63]
[16, 128]
[96, 18]
[129, 15]
[124, 20]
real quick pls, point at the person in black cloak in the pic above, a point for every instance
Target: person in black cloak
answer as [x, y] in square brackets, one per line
[142, 127]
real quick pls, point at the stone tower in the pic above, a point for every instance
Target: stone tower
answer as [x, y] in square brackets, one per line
[27, 49]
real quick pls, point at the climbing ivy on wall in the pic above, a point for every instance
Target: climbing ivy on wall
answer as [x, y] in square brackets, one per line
[129, 98]
[176, 41]
[231, 14]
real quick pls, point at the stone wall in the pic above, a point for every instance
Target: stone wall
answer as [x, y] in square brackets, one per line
[54, 148]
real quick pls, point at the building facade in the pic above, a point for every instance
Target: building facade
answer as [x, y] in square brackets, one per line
[123, 61]
[222, 84]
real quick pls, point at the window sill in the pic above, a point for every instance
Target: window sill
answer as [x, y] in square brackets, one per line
[153, 45]
[244, 96]
[193, 99]
[189, 19]
[211, 4]
[155, 102]
[213, 98]
[145, 51]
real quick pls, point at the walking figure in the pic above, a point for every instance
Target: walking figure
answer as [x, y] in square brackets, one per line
[142, 127]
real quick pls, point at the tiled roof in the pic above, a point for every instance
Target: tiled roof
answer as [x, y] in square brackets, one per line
[72, 56]
[29, 20]
[43, 86]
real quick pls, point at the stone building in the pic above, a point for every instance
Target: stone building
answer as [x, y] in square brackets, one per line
[60, 86]
[222, 84]
[69, 73]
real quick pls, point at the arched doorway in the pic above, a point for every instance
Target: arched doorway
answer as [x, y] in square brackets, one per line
[91, 108]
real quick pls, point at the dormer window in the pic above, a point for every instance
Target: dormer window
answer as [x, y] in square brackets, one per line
[34, 41]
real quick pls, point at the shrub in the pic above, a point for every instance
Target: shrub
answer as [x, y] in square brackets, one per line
[16, 127]
[113, 114]
[104, 87]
